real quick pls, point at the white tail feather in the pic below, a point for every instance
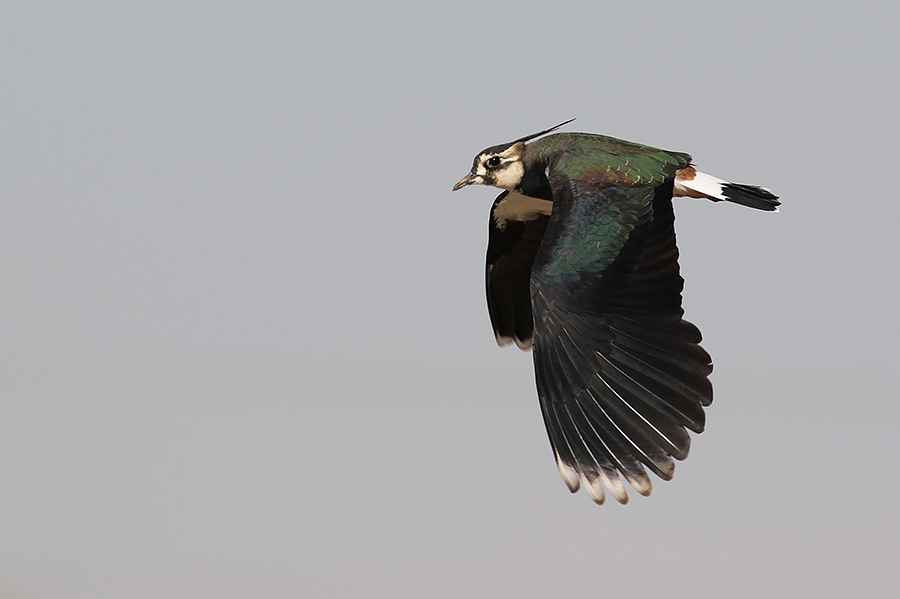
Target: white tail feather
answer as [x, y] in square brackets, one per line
[691, 183]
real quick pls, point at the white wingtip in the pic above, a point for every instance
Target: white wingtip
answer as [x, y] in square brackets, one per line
[615, 486]
[504, 340]
[569, 474]
[644, 486]
[594, 488]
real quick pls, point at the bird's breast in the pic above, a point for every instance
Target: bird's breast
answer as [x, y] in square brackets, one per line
[521, 208]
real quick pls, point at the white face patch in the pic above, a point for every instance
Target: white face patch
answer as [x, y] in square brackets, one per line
[509, 174]
[502, 169]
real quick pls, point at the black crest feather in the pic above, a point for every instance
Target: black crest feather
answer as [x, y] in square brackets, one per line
[546, 131]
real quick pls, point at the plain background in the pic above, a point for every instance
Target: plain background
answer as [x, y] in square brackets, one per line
[245, 351]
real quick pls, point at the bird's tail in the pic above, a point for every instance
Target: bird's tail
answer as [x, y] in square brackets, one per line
[693, 184]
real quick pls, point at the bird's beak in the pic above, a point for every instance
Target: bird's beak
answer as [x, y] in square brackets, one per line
[470, 179]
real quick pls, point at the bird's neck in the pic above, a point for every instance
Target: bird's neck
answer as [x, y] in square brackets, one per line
[534, 182]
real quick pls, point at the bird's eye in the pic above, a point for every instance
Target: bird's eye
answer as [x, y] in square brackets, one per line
[493, 161]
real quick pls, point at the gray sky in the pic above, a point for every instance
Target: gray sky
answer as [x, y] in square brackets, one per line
[245, 350]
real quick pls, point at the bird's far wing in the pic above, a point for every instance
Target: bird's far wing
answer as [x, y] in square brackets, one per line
[620, 375]
[515, 232]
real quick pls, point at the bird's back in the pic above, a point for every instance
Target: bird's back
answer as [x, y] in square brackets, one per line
[598, 159]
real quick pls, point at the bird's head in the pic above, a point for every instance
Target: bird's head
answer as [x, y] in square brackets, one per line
[501, 166]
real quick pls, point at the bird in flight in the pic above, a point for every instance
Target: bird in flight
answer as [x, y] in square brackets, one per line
[582, 266]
